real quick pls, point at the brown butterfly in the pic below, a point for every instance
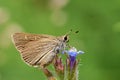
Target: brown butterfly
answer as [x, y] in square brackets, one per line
[39, 49]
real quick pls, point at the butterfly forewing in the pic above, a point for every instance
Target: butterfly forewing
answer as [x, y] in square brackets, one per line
[35, 49]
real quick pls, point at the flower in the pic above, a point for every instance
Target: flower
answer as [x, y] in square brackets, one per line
[72, 56]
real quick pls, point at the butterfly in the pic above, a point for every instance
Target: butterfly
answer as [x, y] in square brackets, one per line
[39, 49]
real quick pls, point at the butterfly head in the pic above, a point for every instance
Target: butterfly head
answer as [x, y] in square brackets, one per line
[65, 38]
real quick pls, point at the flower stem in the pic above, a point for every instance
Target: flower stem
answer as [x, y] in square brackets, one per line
[48, 74]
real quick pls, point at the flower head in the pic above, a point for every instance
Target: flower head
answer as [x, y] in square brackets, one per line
[72, 56]
[59, 67]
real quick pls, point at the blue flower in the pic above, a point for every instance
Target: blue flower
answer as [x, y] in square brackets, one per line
[72, 56]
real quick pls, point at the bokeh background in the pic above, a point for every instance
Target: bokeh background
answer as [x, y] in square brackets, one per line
[98, 22]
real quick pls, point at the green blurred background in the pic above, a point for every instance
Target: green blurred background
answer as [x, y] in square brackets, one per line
[97, 20]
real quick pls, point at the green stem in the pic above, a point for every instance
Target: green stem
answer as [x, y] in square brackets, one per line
[48, 74]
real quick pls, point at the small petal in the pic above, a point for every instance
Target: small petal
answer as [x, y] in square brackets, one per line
[72, 53]
[80, 52]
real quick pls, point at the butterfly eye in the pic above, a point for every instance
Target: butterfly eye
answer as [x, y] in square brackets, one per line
[65, 38]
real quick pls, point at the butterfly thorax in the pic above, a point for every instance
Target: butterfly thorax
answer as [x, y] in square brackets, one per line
[60, 47]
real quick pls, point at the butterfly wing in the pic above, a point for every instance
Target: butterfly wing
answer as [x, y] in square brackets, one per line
[35, 49]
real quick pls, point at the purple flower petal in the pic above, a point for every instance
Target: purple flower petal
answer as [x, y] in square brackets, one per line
[72, 56]
[71, 53]
[72, 61]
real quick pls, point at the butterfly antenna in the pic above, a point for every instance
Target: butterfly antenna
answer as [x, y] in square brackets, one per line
[76, 31]
[68, 33]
